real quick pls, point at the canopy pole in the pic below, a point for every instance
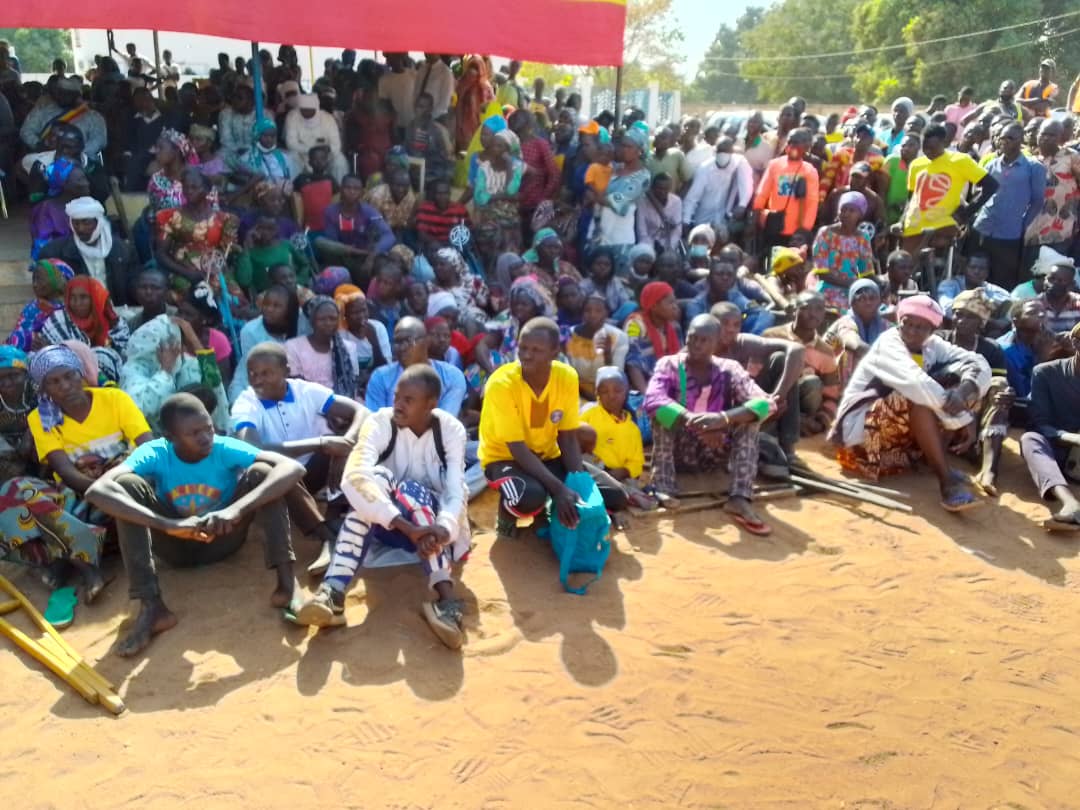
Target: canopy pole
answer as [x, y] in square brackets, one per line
[256, 80]
[618, 96]
[311, 67]
[157, 65]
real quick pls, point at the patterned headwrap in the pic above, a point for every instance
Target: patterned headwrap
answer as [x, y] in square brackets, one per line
[47, 360]
[344, 295]
[102, 316]
[57, 273]
[609, 373]
[638, 137]
[786, 258]
[495, 123]
[855, 199]
[976, 302]
[453, 257]
[327, 282]
[12, 357]
[182, 145]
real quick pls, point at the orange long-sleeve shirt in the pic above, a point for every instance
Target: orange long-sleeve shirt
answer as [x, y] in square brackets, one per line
[774, 193]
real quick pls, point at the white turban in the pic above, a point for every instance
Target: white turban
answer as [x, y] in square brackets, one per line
[905, 102]
[100, 244]
[309, 101]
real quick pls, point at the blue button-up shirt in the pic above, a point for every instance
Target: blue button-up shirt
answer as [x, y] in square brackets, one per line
[1019, 198]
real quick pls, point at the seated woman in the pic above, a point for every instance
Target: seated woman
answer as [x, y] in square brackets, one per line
[706, 411]
[527, 301]
[266, 160]
[353, 233]
[267, 249]
[594, 344]
[49, 280]
[545, 260]
[173, 155]
[370, 336]
[895, 412]
[279, 320]
[88, 317]
[495, 189]
[653, 332]
[897, 281]
[78, 432]
[325, 356]
[842, 255]
[1050, 448]
[470, 292]
[92, 250]
[972, 310]
[194, 240]
[852, 335]
[199, 308]
[600, 279]
[569, 304]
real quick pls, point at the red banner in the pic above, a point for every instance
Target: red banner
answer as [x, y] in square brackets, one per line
[565, 32]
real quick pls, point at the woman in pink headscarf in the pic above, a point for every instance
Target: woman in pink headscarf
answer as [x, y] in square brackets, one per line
[913, 395]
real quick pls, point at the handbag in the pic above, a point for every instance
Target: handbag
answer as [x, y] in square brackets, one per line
[585, 548]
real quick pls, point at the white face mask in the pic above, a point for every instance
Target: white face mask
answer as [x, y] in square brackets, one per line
[723, 160]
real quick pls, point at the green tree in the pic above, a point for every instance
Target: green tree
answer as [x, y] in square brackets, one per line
[38, 47]
[795, 27]
[715, 81]
[982, 61]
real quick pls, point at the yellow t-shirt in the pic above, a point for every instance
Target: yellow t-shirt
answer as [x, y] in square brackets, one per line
[935, 188]
[618, 441]
[597, 176]
[513, 413]
[109, 431]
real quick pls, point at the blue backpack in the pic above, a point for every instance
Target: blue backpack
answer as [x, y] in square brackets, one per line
[586, 548]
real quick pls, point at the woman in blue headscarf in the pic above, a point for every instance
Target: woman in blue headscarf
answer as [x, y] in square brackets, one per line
[852, 335]
[266, 158]
[615, 227]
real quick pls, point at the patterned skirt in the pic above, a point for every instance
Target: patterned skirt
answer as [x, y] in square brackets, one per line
[41, 522]
[888, 448]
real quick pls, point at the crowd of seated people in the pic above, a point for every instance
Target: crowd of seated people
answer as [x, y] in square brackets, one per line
[297, 332]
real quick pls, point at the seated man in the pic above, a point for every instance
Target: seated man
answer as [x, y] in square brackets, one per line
[90, 249]
[976, 271]
[405, 482]
[722, 286]
[1027, 344]
[299, 419]
[529, 432]
[775, 365]
[195, 494]
[705, 412]
[411, 349]
[819, 385]
[1051, 447]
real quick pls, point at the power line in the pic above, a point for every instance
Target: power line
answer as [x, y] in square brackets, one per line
[902, 67]
[882, 48]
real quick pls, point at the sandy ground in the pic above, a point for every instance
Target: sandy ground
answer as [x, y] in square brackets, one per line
[857, 658]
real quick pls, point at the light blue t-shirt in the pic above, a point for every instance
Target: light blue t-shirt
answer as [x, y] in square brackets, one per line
[380, 389]
[193, 489]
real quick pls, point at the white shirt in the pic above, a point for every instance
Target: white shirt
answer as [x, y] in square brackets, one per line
[414, 458]
[715, 191]
[440, 84]
[300, 415]
[398, 88]
[301, 134]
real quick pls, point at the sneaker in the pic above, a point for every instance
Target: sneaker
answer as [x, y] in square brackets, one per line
[444, 618]
[325, 609]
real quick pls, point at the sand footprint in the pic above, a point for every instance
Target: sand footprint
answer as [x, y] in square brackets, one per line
[492, 631]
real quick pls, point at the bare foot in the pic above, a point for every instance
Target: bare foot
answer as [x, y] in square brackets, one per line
[286, 586]
[986, 480]
[153, 618]
[93, 581]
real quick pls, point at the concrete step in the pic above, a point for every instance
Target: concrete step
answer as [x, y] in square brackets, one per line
[15, 293]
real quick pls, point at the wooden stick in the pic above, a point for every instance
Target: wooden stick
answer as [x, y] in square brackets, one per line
[891, 493]
[851, 492]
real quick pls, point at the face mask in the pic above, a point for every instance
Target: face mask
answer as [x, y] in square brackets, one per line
[699, 251]
[723, 159]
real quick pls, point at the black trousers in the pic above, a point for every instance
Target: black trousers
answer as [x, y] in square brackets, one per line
[523, 496]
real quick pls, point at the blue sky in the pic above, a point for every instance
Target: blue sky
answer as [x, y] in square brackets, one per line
[699, 21]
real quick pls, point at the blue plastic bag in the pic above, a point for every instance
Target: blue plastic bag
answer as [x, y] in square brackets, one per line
[586, 548]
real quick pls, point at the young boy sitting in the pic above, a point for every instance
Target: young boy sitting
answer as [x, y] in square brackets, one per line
[190, 498]
[316, 189]
[610, 433]
[265, 251]
[405, 481]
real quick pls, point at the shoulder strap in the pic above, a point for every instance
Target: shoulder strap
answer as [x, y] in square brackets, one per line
[436, 434]
[385, 454]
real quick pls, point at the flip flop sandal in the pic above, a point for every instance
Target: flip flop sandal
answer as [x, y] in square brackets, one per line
[60, 612]
[756, 527]
[1052, 524]
[960, 501]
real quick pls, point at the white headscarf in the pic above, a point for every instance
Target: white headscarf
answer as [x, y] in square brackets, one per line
[309, 101]
[101, 240]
